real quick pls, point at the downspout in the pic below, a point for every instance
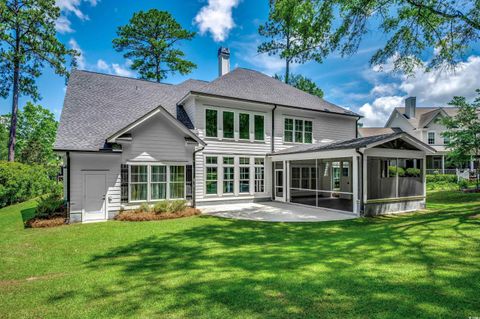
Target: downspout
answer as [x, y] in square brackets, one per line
[68, 185]
[360, 182]
[273, 149]
[194, 180]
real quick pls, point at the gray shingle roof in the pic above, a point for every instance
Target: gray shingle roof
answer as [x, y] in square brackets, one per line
[341, 145]
[423, 115]
[98, 105]
[255, 86]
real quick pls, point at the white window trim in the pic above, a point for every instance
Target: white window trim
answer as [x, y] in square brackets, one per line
[205, 193]
[149, 165]
[294, 118]
[236, 124]
[434, 138]
[249, 165]
[223, 175]
[255, 166]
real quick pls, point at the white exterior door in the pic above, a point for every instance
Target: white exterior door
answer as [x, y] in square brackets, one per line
[279, 185]
[94, 191]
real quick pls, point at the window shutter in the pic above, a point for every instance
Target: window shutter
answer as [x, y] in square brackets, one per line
[189, 182]
[124, 183]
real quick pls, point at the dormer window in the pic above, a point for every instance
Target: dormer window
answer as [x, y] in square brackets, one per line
[431, 138]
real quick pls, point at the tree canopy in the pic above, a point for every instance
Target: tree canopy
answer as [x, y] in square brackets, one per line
[442, 28]
[28, 43]
[150, 40]
[36, 132]
[463, 131]
[302, 83]
[291, 33]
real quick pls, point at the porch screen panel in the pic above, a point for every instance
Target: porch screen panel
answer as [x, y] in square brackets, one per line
[382, 179]
[302, 182]
[410, 179]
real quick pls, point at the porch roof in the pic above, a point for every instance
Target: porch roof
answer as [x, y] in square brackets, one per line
[356, 143]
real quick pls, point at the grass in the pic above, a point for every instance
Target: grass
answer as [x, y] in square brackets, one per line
[423, 265]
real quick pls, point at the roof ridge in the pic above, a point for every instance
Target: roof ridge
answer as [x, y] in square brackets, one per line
[136, 79]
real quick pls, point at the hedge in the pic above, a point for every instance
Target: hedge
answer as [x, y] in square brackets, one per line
[448, 178]
[20, 182]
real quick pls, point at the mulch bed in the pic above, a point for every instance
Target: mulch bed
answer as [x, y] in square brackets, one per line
[43, 223]
[139, 216]
[471, 190]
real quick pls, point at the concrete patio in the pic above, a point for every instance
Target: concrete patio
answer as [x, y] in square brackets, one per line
[275, 212]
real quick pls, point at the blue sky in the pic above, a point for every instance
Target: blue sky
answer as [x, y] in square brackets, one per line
[90, 25]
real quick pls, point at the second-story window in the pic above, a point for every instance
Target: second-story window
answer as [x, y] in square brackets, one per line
[211, 123]
[431, 138]
[228, 124]
[298, 131]
[259, 123]
[244, 123]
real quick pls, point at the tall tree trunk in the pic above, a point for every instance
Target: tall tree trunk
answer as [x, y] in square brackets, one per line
[16, 82]
[13, 121]
[287, 71]
[287, 59]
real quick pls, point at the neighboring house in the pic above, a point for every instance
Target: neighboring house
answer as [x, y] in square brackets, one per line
[424, 124]
[242, 137]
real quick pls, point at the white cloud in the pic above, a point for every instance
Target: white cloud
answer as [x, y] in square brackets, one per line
[378, 111]
[81, 58]
[102, 65]
[216, 18]
[68, 7]
[435, 88]
[63, 25]
[268, 64]
[115, 68]
[121, 70]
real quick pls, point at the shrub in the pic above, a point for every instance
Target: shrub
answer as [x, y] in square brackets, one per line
[145, 207]
[161, 207]
[50, 206]
[392, 170]
[413, 172]
[178, 206]
[20, 182]
[434, 178]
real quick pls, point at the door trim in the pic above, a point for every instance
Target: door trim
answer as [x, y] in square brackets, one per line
[105, 203]
[283, 197]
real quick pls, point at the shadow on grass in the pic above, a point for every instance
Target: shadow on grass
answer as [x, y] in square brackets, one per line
[27, 214]
[387, 267]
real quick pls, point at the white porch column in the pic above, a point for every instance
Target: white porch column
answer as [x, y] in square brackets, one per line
[365, 178]
[472, 165]
[355, 185]
[443, 164]
[286, 188]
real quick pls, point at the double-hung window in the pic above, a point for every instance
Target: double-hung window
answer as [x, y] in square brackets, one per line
[288, 130]
[212, 175]
[244, 181]
[298, 131]
[228, 175]
[431, 138]
[259, 123]
[211, 125]
[259, 175]
[158, 182]
[244, 126]
[177, 181]
[138, 182]
[228, 124]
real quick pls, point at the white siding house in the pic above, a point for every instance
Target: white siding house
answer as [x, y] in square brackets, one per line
[127, 141]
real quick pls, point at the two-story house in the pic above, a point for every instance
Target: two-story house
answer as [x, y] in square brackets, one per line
[424, 123]
[243, 137]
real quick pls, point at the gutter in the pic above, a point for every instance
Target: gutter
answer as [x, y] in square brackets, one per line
[194, 182]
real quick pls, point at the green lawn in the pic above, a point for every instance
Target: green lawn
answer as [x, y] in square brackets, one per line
[417, 265]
